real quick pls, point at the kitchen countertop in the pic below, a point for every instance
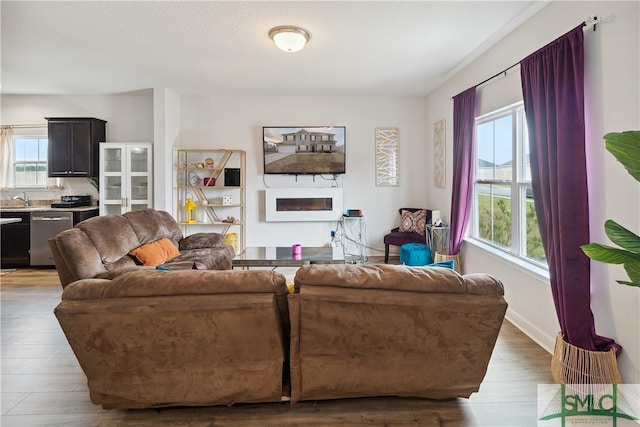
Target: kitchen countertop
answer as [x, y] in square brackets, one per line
[46, 209]
[4, 221]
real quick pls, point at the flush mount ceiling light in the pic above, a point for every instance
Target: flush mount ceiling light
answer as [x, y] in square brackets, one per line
[288, 38]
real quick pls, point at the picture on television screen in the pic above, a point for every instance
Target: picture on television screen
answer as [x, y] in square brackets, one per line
[304, 150]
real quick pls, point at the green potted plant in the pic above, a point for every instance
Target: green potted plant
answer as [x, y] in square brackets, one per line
[625, 147]
[95, 181]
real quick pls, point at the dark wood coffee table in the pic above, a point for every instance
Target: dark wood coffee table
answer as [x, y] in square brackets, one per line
[276, 256]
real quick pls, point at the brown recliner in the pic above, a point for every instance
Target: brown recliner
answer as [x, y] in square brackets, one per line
[99, 247]
[391, 330]
[179, 338]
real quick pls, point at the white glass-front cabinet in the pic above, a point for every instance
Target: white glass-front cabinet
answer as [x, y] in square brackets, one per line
[211, 193]
[126, 181]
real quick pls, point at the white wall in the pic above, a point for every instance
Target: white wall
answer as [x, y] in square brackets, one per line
[236, 122]
[172, 122]
[612, 90]
[166, 104]
[129, 118]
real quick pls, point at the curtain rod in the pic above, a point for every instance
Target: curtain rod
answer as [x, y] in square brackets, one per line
[40, 125]
[497, 74]
[592, 20]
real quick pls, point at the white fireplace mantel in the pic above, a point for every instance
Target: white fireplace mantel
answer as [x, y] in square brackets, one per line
[328, 207]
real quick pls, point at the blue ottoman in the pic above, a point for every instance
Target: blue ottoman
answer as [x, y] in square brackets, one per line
[415, 254]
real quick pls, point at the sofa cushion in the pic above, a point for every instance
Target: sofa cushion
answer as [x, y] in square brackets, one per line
[156, 253]
[115, 272]
[112, 236]
[150, 225]
[208, 258]
[202, 240]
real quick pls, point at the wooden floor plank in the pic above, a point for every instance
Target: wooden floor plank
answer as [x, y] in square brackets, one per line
[43, 385]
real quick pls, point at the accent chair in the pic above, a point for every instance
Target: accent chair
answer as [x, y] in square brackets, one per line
[411, 229]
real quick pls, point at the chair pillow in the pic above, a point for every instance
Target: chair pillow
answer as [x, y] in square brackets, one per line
[156, 253]
[447, 264]
[413, 222]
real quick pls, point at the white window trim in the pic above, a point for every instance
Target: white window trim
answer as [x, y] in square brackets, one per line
[518, 213]
[13, 165]
[520, 263]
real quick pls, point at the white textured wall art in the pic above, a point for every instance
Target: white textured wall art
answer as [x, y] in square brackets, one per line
[387, 157]
[439, 145]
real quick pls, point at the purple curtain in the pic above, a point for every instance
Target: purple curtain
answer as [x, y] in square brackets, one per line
[464, 116]
[553, 91]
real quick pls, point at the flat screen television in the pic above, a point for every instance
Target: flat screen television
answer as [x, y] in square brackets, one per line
[312, 150]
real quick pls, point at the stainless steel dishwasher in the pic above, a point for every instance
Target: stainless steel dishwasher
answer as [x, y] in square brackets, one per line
[45, 225]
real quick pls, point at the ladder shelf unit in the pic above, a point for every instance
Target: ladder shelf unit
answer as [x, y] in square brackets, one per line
[214, 179]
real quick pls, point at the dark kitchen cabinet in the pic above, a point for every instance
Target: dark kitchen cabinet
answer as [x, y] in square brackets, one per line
[74, 146]
[80, 216]
[14, 244]
[15, 238]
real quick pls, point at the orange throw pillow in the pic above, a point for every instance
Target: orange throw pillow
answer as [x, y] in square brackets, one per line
[156, 253]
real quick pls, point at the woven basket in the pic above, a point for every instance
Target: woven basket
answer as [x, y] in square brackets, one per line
[574, 365]
[441, 256]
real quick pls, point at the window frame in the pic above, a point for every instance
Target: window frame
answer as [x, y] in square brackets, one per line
[15, 162]
[519, 184]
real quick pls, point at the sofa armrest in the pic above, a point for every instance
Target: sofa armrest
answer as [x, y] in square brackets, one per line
[201, 240]
[76, 256]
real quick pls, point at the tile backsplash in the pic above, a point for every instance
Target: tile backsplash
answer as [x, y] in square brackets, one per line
[37, 196]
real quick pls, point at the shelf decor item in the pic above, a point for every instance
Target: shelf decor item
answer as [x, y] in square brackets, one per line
[194, 179]
[192, 211]
[231, 239]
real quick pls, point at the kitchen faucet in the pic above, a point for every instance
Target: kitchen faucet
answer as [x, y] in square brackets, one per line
[24, 198]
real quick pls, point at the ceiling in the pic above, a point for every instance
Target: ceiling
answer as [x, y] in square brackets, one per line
[386, 48]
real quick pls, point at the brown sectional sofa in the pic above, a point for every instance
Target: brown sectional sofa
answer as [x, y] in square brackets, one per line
[99, 247]
[177, 338]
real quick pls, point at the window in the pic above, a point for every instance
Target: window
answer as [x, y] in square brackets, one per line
[504, 212]
[30, 161]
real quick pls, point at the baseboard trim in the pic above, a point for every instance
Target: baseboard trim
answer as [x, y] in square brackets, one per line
[541, 337]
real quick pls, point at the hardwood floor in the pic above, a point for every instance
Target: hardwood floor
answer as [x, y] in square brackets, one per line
[43, 385]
